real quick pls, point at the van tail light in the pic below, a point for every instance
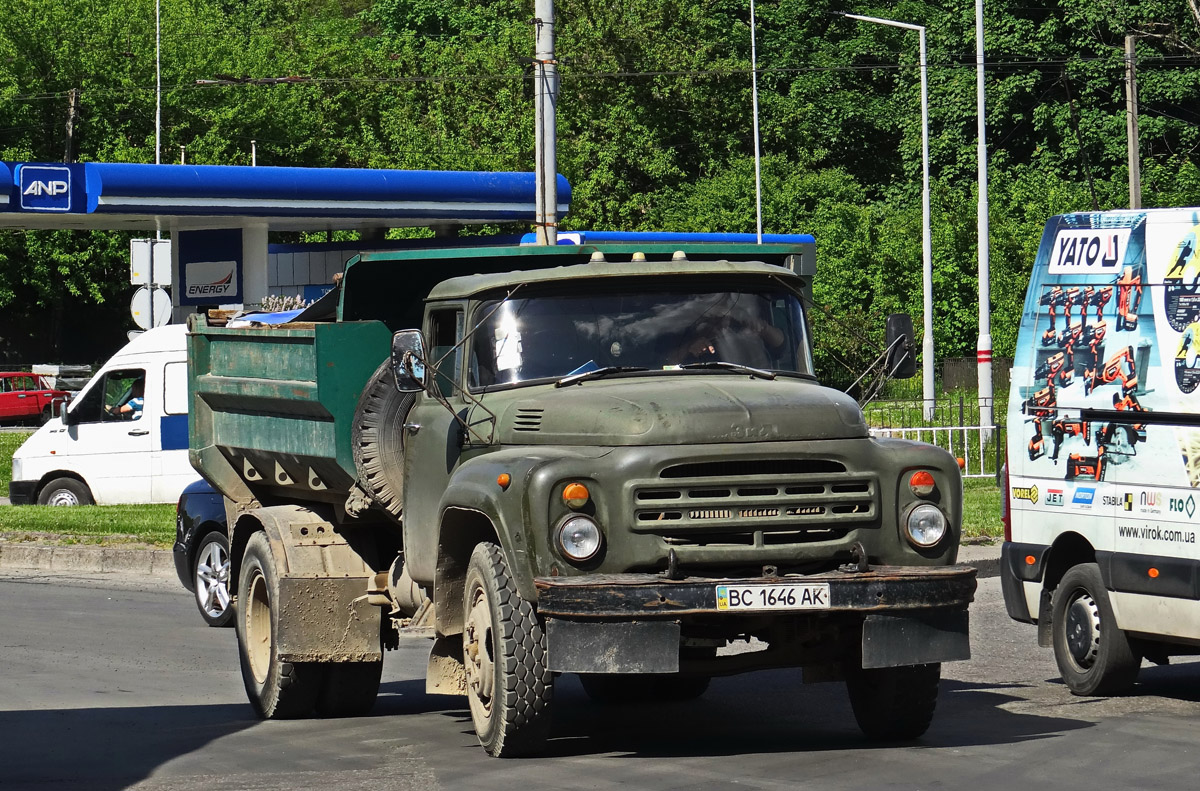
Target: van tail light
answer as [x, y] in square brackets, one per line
[1005, 510]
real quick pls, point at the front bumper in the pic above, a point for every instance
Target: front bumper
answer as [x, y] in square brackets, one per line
[633, 623]
[21, 492]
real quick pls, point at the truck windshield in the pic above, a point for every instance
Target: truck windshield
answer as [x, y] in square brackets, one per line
[552, 336]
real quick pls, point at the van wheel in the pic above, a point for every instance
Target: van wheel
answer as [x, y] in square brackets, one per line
[276, 689]
[1093, 655]
[377, 438]
[894, 703]
[65, 491]
[509, 688]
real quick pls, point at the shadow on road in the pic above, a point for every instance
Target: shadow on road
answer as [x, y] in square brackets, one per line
[106, 749]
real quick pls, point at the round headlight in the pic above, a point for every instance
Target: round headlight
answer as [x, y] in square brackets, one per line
[926, 525]
[579, 538]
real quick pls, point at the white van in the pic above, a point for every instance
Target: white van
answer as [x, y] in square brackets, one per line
[107, 448]
[1103, 491]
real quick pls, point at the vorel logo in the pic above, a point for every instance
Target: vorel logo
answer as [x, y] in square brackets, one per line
[1084, 496]
[1055, 497]
[1029, 493]
[215, 280]
[1083, 249]
[45, 188]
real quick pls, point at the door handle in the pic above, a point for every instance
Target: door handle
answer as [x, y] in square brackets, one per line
[139, 432]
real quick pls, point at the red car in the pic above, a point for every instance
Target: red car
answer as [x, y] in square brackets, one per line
[25, 396]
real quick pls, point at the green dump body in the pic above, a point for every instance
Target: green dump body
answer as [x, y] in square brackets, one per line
[273, 408]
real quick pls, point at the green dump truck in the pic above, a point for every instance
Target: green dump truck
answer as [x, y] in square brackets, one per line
[609, 460]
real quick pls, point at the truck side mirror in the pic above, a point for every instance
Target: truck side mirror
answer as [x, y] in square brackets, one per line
[901, 350]
[408, 361]
[69, 418]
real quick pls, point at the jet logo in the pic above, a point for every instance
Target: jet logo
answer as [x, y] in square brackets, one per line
[1055, 497]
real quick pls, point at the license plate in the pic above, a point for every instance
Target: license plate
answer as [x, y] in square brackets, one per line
[785, 596]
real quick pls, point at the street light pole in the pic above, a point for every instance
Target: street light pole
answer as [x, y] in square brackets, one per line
[926, 238]
[983, 349]
[757, 144]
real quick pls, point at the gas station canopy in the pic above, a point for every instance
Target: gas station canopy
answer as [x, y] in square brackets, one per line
[108, 195]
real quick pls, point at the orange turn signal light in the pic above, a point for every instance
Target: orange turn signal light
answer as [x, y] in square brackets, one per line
[1030, 560]
[575, 495]
[1153, 573]
[503, 480]
[921, 483]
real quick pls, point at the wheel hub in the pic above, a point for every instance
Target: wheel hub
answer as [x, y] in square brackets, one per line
[63, 497]
[258, 628]
[212, 580]
[477, 653]
[1083, 630]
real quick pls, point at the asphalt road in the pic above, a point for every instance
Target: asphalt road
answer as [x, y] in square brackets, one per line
[108, 683]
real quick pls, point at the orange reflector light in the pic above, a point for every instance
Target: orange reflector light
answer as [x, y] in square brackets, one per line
[575, 495]
[1030, 560]
[921, 483]
[1153, 573]
[504, 479]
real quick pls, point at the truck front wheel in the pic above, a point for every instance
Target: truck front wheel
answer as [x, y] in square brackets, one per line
[1093, 654]
[894, 703]
[276, 689]
[504, 650]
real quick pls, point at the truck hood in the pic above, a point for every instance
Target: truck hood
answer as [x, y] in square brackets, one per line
[679, 409]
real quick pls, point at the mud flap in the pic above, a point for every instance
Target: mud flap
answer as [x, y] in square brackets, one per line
[327, 620]
[612, 647]
[917, 638]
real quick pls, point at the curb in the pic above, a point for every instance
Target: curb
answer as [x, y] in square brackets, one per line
[160, 563]
[89, 560]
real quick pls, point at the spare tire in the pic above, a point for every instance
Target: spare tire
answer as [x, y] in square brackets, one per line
[378, 438]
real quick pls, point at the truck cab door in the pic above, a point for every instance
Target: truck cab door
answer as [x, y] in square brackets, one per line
[433, 440]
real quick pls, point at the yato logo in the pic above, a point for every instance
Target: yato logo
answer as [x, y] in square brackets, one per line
[1080, 249]
[1084, 495]
[1055, 497]
[45, 188]
[1180, 506]
[1029, 493]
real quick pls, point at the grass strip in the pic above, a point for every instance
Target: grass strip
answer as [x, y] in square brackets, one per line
[90, 524]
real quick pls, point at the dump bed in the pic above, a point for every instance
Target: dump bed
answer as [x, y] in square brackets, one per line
[272, 408]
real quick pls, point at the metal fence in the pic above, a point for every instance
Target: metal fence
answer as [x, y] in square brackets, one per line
[979, 449]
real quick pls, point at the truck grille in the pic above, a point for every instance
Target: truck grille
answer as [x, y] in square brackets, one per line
[755, 502]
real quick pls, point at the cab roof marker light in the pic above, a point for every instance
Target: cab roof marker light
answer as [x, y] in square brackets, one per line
[638, 258]
[597, 258]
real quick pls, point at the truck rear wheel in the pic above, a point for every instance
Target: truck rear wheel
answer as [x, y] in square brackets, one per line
[276, 689]
[1093, 655]
[377, 436]
[894, 703]
[504, 649]
[617, 688]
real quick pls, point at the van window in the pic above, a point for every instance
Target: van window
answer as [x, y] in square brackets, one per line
[118, 396]
[175, 392]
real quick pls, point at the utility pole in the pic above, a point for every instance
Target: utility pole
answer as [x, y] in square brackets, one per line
[72, 114]
[757, 137]
[546, 97]
[983, 348]
[1131, 124]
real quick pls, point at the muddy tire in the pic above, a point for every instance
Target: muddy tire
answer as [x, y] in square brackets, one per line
[1093, 655]
[210, 580]
[377, 436]
[350, 689]
[65, 491]
[509, 688]
[276, 689]
[894, 703]
[619, 688]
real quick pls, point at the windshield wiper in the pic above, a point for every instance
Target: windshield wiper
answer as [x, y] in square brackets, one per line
[595, 372]
[742, 369]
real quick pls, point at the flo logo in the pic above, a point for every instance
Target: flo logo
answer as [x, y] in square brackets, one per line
[1055, 497]
[1029, 493]
[1181, 506]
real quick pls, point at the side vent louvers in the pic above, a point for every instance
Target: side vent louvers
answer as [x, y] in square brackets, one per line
[528, 419]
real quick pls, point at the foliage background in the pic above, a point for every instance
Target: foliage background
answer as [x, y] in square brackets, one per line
[654, 123]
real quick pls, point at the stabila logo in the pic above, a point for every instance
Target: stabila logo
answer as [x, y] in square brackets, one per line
[1029, 493]
[45, 188]
[1055, 497]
